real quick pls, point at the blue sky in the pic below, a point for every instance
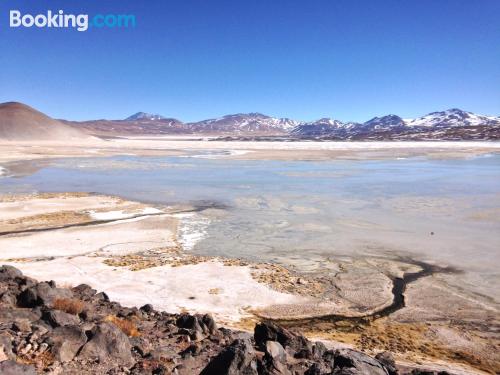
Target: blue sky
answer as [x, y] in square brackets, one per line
[196, 59]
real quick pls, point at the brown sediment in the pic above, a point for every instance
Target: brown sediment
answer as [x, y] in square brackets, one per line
[25, 197]
[77, 224]
[398, 288]
[412, 342]
[284, 280]
[44, 221]
[38, 223]
[172, 256]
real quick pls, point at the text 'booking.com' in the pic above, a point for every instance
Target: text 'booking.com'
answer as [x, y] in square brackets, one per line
[79, 22]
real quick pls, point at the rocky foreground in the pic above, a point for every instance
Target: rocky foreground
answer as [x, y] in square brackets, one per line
[55, 330]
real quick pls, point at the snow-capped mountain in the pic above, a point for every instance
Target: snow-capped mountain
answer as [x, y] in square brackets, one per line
[384, 123]
[324, 126]
[244, 123]
[452, 117]
[450, 124]
[144, 116]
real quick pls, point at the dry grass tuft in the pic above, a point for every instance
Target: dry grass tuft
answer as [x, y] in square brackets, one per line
[126, 325]
[68, 305]
[41, 361]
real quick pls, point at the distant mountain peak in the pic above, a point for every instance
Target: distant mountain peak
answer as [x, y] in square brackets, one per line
[384, 122]
[252, 122]
[144, 116]
[453, 117]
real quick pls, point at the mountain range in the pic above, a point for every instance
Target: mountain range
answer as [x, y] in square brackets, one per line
[17, 119]
[452, 124]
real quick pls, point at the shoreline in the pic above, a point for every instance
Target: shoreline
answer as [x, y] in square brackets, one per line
[12, 152]
[277, 289]
[64, 329]
[399, 285]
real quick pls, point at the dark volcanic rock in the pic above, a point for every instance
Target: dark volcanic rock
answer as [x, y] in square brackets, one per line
[9, 273]
[13, 315]
[66, 342]
[14, 368]
[108, 345]
[6, 346]
[42, 294]
[271, 332]
[58, 318]
[351, 362]
[387, 360]
[237, 359]
[84, 290]
[275, 351]
[147, 308]
[203, 324]
[56, 342]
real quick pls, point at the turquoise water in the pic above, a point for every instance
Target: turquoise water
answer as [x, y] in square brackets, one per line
[306, 213]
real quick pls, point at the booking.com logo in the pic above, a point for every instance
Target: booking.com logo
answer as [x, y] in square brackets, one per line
[80, 22]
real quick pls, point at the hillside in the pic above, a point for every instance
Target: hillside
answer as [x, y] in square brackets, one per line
[19, 122]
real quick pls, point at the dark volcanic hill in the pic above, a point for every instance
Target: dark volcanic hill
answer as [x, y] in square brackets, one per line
[19, 122]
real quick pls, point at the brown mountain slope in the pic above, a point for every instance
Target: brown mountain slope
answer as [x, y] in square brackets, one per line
[19, 122]
[130, 127]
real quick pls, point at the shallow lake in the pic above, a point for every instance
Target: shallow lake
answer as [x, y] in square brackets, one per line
[309, 213]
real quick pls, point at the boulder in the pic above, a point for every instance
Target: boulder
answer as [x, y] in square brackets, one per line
[12, 315]
[200, 325]
[6, 347]
[108, 345]
[58, 318]
[267, 331]
[8, 298]
[42, 294]
[208, 324]
[13, 368]
[9, 273]
[315, 369]
[351, 362]
[387, 360]
[275, 360]
[22, 325]
[188, 321]
[65, 342]
[40, 328]
[84, 290]
[236, 359]
[141, 345]
[101, 296]
[275, 351]
[147, 308]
